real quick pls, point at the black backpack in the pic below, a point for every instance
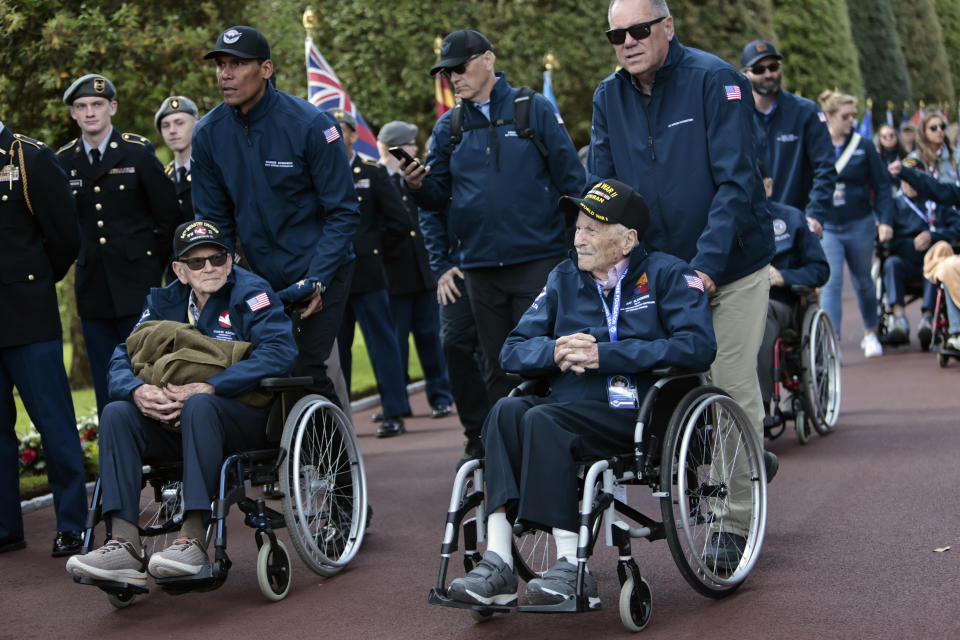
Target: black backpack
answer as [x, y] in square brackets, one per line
[520, 122]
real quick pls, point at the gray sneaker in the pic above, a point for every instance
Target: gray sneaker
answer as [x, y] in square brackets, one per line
[116, 561]
[185, 557]
[900, 329]
[490, 582]
[560, 583]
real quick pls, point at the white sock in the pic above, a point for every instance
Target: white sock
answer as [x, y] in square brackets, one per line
[566, 544]
[500, 536]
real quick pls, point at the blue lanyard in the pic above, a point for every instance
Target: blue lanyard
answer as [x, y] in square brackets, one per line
[925, 217]
[612, 316]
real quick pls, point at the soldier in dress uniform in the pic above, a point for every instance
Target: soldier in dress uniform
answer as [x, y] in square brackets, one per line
[39, 240]
[175, 120]
[382, 221]
[128, 210]
[413, 287]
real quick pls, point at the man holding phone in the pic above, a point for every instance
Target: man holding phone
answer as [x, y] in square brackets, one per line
[502, 182]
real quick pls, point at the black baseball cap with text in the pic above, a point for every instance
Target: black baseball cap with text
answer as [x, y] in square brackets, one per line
[195, 233]
[243, 42]
[610, 202]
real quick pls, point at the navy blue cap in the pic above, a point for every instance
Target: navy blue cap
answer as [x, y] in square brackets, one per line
[756, 51]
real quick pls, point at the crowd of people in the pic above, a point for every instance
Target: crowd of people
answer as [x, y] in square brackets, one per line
[706, 194]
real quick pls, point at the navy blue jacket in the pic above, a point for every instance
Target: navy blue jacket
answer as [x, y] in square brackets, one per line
[863, 177]
[799, 257]
[663, 321]
[930, 188]
[442, 247]
[227, 315]
[942, 222]
[504, 194]
[279, 177]
[793, 143]
[691, 155]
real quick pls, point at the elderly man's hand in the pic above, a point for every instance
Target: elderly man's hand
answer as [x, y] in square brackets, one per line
[154, 403]
[447, 290]
[414, 173]
[180, 393]
[884, 232]
[922, 241]
[776, 278]
[576, 352]
[708, 283]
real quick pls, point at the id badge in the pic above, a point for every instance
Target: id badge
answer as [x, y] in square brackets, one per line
[839, 194]
[621, 392]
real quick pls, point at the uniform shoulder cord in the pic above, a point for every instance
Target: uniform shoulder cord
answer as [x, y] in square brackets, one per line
[23, 171]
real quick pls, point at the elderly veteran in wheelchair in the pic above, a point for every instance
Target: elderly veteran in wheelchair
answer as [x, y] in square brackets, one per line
[607, 316]
[214, 307]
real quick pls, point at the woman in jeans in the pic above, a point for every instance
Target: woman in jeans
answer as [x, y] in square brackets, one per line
[850, 228]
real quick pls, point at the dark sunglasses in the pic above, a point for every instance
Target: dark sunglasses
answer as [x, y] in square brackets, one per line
[936, 127]
[195, 264]
[639, 31]
[461, 68]
[759, 69]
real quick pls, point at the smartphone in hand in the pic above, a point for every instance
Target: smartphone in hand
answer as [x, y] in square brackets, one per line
[401, 154]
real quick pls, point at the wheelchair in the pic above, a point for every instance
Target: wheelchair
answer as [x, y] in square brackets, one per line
[690, 440]
[807, 364]
[913, 290]
[941, 330]
[319, 470]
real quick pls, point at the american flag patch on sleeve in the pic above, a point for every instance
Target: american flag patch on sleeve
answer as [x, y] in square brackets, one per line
[331, 134]
[732, 91]
[694, 282]
[261, 301]
[822, 117]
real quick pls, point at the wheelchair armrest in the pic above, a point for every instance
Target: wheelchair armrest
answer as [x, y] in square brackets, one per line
[675, 372]
[534, 387]
[285, 384]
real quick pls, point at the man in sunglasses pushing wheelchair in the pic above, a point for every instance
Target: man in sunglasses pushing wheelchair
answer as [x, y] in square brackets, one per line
[197, 421]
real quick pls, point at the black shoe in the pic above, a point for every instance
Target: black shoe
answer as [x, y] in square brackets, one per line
[925, 331]
[725, 551]
[441, 411]
[12, 544]
[67, 543]
[378, 416]
[770, 464]
[473, 451]
[391, 427]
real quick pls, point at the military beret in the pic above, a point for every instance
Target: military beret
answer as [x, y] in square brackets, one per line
[92, 85]
[395, 133]
[175, 104]
[345, 117]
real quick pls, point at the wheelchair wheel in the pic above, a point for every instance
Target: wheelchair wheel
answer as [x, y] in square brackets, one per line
[161, 514]
[121, 600]
[820, 372]
[534, 553]
[802, 427]
[712, 472]
[273, 570]
[324, 485]
[636, 605]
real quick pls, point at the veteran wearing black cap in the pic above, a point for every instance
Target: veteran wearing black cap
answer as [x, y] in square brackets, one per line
[607, 316]
[212, 416]
[175, 120]
[792, 138]
[289, 198]
[502, 180]
[128, 210]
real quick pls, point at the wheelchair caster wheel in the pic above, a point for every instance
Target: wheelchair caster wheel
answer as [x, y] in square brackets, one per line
[480, 616]
[121, 600]
[801, 427]
[273, 570]
[636, 605]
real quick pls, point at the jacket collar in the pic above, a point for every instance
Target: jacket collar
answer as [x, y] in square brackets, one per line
[674, 54]
[260, 108]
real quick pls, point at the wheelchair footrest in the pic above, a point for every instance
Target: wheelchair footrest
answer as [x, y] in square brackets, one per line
[111, 587]
[436, 598]
[567, 606]
[210, 577]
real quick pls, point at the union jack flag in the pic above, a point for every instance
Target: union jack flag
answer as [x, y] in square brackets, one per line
[326, 92]
[694, 282]
[732, 91]
[259, 301]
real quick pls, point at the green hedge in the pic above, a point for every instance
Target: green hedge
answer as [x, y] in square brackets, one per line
[724, 28]
[882, 63]
[948, 14]
[923, 49]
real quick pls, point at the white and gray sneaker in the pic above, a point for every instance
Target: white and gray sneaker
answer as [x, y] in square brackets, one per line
[871, 346]
[185, 557]
[560, 583]
[492, 581]
[116, 561]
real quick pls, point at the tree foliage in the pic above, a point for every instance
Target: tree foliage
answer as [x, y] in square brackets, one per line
[948, 14]
[882, 64]
[817, 46]
[723, 27]
[923, 50]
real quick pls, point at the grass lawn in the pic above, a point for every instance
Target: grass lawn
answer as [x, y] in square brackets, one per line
[84, 400]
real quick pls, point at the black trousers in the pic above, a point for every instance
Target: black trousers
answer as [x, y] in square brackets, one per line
[532, 446]
[315, 335]
[461, 349]
[498, 297]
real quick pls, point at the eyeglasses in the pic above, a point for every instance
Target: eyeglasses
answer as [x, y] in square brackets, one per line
[461, 68]
[936, 127]
[759, 69]
[639, 31]
[195, 264]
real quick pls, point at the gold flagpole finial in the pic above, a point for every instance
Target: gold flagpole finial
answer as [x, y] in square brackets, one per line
[550, 62]
[437, 43]
[869, 103]
[309, 19]
[889, 105]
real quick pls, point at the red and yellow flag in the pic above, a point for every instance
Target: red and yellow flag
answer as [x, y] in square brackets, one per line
[444, 94]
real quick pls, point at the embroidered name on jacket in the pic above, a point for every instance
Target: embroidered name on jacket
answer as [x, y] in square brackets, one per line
[279, 164]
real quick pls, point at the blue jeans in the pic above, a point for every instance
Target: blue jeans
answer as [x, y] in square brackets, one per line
[897, 271]
[953, 314]
[853, 242]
